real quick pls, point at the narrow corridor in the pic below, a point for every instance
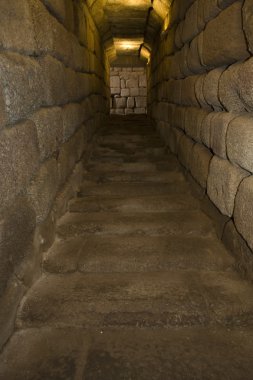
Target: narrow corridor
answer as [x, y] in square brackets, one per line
[137, 285]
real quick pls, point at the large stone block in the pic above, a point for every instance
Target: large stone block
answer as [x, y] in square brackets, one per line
[130, 102]
[223, 38]
[240, 141]
[48, 123]
[120, 102]
[174, 136]
[194, 55]
[73, 115]
[9, 302]
[70, 153]
[178, 119]
[19, 160]
[193, 122]
[57, 7]
[218, 130]
[199, 92]
[21, 87]
[43, 189]
[190, 26]
[185, 149]
[228, 89]
[211, 88]
[16, 240]
[207, 10]
[143, 81]
[239, 249]
[132, 83]
[248, 22]
[16, 27]
[199, 164]
[188, 95]
[243, 84]
[54, 81]
[51, 36]
[223, 182]
[243, 214]
[115, 81]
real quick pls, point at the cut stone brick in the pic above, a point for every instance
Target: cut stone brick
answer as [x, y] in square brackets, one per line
[243, 214]
[130, 102]
[223, 182]
[218, 133]
[48, 122]
[199, 164]
[240, 141]
[16, 99]
[223, 39]
[43, 189]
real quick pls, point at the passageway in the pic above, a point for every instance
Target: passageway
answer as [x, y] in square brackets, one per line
[126, 230]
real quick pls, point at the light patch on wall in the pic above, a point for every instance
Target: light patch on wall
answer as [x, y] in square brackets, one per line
[126, 46]
[129, 3]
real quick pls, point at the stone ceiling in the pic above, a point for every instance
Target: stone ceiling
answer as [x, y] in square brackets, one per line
[126, 26]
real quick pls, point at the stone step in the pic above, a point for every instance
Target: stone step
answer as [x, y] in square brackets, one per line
[132, 204]
[123, 300]
[134, 189]
[135, 167]
[138, 354]
[186, 223]
[160, 159]
[99, 151]
[141, 177]
[133, 145]
[136, 254]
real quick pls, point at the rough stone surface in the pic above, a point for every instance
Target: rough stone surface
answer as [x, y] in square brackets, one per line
[199, 164]
[243, 210]
[223, 39]
[223, 183]
[48, 123]
[19, 159]
[239, 142]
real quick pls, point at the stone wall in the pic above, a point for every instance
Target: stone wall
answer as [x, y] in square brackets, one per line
[128, 90]
[53, 91]
[200, 95]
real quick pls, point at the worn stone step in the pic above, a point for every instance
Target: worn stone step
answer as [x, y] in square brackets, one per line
[100, 151]
[128, 144]
[154, 299]
[141, 177]
[139, 354]
[146, 158]
[129, 204]
[186, 223]
[135, 189]
[136, 254]
[135, 167]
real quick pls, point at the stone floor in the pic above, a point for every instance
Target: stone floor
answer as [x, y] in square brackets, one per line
[137, 285]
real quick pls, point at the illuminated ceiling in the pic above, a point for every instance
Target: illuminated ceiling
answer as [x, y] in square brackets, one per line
[128, 27]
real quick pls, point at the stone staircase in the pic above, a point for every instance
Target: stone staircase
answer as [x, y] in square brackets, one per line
[137, 285]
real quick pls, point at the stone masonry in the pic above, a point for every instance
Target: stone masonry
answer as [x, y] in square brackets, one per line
[200, 96]
[53, 97]
[128, 90]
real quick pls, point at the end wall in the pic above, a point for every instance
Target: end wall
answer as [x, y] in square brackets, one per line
[128, 90]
